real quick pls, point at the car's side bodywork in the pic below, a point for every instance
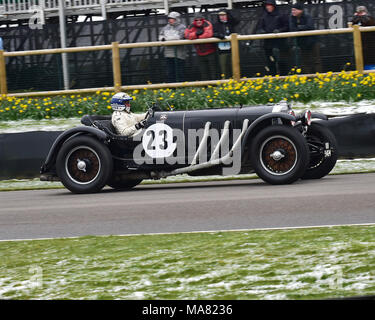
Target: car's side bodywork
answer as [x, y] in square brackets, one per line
[196, 142]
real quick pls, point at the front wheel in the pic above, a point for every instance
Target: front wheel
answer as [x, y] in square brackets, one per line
[323, 151]
[84, 164]
[280, 154]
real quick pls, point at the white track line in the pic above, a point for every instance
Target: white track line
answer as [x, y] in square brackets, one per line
[204, 231]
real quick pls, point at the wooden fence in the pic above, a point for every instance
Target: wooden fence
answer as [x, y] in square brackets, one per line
[115, 47]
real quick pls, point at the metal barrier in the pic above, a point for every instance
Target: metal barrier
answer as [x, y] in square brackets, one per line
[22, 154]
[234, 39]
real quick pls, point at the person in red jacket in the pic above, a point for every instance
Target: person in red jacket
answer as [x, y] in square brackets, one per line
[202, 29]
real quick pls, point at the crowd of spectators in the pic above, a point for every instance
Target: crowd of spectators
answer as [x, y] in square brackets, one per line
[280, 54]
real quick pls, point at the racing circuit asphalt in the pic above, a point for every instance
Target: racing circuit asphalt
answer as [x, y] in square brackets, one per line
[184, 207]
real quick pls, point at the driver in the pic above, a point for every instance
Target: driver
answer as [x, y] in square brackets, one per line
[125, 122]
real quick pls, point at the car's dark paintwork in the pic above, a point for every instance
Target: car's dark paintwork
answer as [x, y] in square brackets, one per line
[183, 120]
[246, 121]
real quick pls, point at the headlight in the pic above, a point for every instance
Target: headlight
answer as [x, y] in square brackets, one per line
[291, 112]
[307, 120]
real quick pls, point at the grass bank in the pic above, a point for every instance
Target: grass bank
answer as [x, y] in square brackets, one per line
[311, 263]
[345, 86]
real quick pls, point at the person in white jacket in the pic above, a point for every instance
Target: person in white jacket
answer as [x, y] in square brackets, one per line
[125, 122]
[174, 55]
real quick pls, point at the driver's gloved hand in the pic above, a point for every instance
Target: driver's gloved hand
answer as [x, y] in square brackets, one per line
[140, 124]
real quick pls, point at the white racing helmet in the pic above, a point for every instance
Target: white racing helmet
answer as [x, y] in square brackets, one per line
[120, 102]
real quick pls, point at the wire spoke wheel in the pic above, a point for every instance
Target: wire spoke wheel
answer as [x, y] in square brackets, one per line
[323, 151]
[279, 154]
[84, 164]
[316, 147]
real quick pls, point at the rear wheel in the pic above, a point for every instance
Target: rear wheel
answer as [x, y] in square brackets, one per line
[279, 154]
[123, 184]
[84, 165]
[323, 151]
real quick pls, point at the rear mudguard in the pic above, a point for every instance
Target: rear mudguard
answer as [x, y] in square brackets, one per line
[66, 135]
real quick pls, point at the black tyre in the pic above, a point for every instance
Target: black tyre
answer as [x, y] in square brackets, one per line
[84, 165]
[323, 151]
[280, 154]
[123, 184]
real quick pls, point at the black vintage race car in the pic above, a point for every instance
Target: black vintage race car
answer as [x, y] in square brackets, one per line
[272, 141]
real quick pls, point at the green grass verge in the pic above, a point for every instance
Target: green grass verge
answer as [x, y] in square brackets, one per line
[311, 263]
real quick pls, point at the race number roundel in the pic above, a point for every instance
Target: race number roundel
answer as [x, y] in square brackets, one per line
[158, 142]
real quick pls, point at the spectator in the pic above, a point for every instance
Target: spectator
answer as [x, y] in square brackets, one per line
[276, 50]
[1, 44]
[224, 26]
[174, 55]
[362, 18]
[308, 47]
[202, 29]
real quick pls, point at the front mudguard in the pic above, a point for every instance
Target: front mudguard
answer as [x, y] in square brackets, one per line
[260, 122]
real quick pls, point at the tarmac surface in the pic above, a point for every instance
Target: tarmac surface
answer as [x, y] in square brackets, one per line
[188, 207]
